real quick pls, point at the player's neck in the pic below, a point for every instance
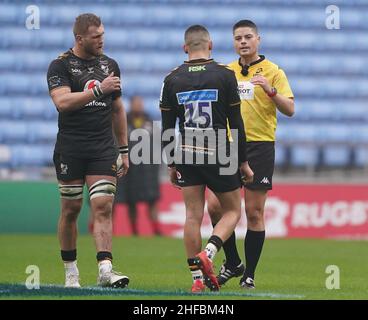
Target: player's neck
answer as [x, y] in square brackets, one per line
[198, 55]
[247, 60]
[80, 53]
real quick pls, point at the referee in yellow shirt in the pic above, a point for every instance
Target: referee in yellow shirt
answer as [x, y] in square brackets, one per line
[263, 89]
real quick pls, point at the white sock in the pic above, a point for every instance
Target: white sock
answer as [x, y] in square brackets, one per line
[71, 267]
[104, 266]
[197, 275]
[211, 250]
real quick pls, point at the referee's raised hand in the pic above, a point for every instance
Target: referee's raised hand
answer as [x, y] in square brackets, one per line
[110, 84]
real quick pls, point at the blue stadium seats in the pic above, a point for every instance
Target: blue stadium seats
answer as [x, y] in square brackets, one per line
[13, 83]
[7, 61]
[296, 133]
[304, 156]
[336, 156]
[281, 158]
[8, 13]
[332, 133]
[31, 155]
[13, 131]
[361, 156]
[6, 109]
[34, 108]
[360, 133]
[5, 156]
[42, 132]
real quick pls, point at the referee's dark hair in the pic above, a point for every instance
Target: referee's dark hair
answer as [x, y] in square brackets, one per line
[246, 24]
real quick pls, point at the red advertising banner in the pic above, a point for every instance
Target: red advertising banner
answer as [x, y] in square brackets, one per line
[292, 210]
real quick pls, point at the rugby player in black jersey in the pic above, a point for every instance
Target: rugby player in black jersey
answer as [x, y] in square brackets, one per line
[204, 96]
[85, 87]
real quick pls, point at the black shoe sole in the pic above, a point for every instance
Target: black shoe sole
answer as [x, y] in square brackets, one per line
[122, 283]
[208, 283]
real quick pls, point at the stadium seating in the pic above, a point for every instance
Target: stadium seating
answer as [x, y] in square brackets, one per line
[326, 68]
[336, 156]
[305, 156]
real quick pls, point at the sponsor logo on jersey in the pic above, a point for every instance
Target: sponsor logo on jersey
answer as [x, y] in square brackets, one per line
[76, 71]
[196, 68]
[105, 69]
[54, 81]
[246, 90]
[74, 62]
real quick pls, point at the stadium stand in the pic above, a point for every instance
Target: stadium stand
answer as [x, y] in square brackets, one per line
[326, 68]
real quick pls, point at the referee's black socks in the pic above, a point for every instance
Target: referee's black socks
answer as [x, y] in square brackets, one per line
[253, 244]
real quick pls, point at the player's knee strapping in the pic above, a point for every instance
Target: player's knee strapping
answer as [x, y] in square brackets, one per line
[71, 191]
[102, 188]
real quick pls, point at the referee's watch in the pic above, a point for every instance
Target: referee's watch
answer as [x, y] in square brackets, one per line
[272, 93]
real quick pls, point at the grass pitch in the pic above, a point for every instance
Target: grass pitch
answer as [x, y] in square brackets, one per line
[288, 269]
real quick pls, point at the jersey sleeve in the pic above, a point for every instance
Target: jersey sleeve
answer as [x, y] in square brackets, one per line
[168, 117]
[57, 75]
[281, 83]
[165, 101]
[116, 70]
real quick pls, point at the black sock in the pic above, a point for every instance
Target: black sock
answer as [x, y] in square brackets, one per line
[103, 255]
[253, 244]
[216, 241]
[193, 264]
[68, 255]
[230, 250]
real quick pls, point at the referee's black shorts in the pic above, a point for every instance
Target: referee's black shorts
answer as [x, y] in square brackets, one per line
[193, 175]
[71, 168]
[261, 159]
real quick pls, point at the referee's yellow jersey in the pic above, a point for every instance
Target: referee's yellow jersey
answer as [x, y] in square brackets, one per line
[257, 108]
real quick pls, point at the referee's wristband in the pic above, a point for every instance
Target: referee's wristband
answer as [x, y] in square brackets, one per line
[97, 91]
[272, 93]
[124, 150]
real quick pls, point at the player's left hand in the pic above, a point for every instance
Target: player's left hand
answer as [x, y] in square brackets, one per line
[263, 82]
[247, 174]
[122, 165]
[173, 177]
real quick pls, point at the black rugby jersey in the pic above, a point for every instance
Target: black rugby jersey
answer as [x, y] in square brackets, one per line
[86, 132]
[203, 94]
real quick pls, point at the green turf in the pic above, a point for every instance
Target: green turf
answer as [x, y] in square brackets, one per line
[289, 269]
